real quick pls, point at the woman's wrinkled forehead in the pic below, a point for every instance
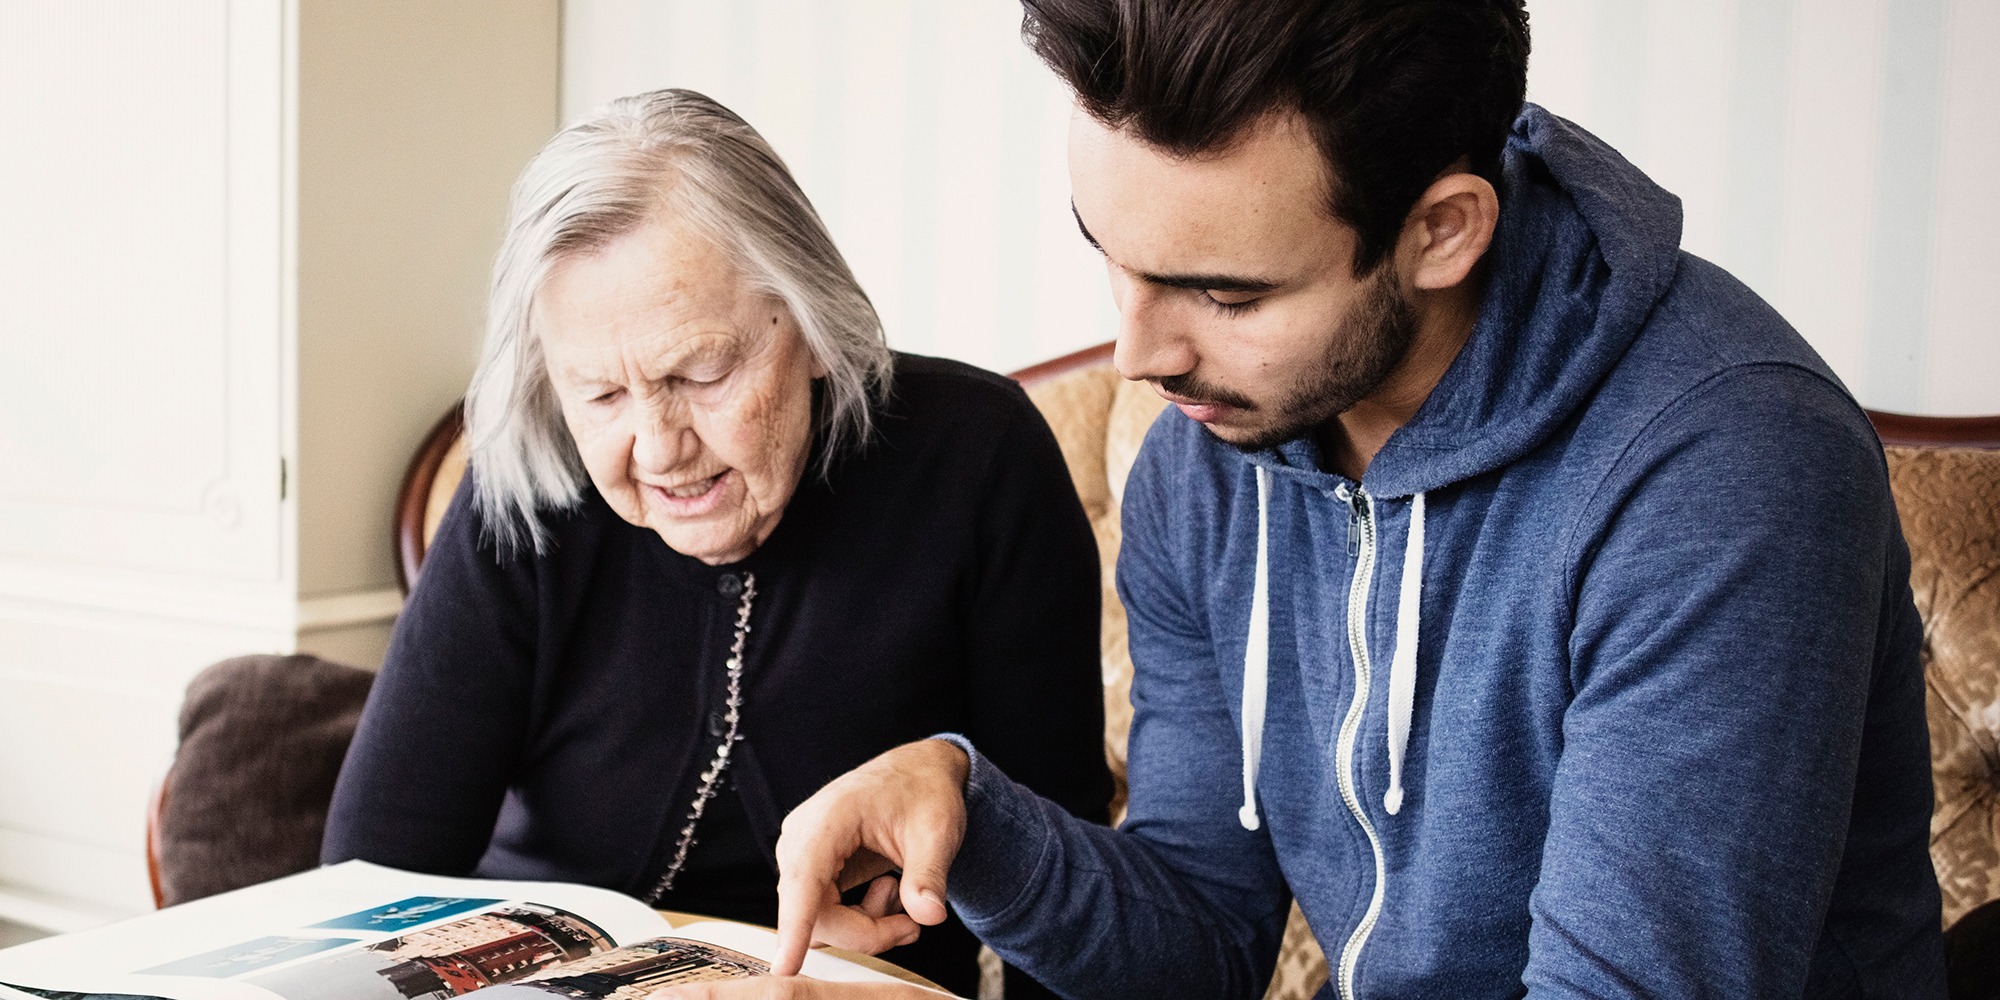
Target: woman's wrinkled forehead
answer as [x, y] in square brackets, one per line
[654, 299]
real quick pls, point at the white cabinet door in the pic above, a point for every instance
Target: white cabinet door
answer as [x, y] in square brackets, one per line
[141, 305]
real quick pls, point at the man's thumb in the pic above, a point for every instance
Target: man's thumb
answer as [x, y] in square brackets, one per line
[923, 897]
[924, 869]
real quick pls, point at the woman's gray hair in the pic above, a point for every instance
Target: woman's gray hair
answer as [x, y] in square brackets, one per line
[603, 177]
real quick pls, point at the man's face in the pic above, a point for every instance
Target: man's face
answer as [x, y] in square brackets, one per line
[1236, 296]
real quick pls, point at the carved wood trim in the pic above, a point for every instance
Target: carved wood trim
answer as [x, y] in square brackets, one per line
[155, 807]
[1912, 431]
[1089, 357]
[414, 497]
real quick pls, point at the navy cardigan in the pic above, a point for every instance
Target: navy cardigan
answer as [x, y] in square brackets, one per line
[548, 716]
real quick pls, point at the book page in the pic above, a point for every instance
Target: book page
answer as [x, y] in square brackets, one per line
[699, 952]
[330, 933]
[362, 932]
[764, 943]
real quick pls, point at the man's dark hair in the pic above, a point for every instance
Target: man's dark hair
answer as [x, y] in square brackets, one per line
[1395, 91]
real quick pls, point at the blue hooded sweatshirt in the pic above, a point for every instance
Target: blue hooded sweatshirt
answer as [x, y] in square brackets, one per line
[1602, 682]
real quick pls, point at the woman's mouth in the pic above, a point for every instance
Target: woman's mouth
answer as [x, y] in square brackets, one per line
[691, 499]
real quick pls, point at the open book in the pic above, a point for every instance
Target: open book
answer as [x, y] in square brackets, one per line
[361, 932]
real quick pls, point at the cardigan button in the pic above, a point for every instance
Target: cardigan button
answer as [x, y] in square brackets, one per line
[729, 585]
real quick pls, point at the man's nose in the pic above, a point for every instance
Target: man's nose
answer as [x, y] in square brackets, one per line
[1151, 344]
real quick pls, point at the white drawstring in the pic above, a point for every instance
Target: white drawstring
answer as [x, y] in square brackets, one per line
[1256, 659]
[1403, 663]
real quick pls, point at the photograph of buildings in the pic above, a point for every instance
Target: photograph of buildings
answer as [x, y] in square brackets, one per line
[634, 971]
[500, 945]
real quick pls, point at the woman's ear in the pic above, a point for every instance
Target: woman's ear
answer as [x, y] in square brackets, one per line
[1449, 230]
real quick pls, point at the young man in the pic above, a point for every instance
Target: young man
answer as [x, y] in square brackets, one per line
[1517, 591]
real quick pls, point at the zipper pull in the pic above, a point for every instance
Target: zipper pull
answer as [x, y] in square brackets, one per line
[1353, 526]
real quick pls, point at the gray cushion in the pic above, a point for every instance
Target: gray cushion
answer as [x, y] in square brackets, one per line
[262, 738]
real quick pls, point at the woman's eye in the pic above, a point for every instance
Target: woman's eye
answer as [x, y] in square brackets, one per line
[607, 397]
[1229, 305]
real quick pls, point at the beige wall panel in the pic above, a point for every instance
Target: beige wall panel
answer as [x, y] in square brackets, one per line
[356, 645]
[414, 120]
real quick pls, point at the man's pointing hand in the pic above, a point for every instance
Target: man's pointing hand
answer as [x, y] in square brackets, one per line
[903, 810]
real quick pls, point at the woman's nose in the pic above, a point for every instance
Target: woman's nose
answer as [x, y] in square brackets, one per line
[662, 438]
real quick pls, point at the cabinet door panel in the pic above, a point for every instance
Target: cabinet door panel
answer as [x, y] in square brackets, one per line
[141, 325]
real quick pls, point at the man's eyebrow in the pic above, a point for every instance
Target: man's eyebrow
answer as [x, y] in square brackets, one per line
[1208, 282]
[1081, 228]
[1199, 282]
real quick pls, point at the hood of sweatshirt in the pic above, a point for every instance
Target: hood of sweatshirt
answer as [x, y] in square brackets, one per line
[1585, 247]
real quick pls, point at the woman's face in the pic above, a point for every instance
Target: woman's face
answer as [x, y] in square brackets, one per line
[688, 394]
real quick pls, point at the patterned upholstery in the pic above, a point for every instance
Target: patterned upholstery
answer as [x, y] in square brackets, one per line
[1949, 499]
[1100, 419]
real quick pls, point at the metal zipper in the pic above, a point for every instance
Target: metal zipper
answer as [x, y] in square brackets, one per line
[1361, 527]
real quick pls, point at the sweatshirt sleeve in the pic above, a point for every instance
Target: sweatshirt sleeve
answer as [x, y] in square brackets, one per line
[444, 724]
[1734, 585]
[1180, 900]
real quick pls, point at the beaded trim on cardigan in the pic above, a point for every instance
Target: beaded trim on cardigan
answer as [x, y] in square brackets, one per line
[711, 779]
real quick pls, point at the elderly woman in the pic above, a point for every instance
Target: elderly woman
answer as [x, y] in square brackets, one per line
[718, 544]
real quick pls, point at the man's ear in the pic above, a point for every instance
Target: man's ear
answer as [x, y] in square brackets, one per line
[1449, 230]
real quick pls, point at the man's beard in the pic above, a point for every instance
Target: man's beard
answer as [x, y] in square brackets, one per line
[1364, 349]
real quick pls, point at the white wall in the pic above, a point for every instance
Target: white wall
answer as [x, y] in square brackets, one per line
[1830, 153]
[414, 120]
[929, 139]
[244, 237]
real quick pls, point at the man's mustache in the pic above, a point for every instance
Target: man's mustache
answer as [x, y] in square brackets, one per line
[1187, 386]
